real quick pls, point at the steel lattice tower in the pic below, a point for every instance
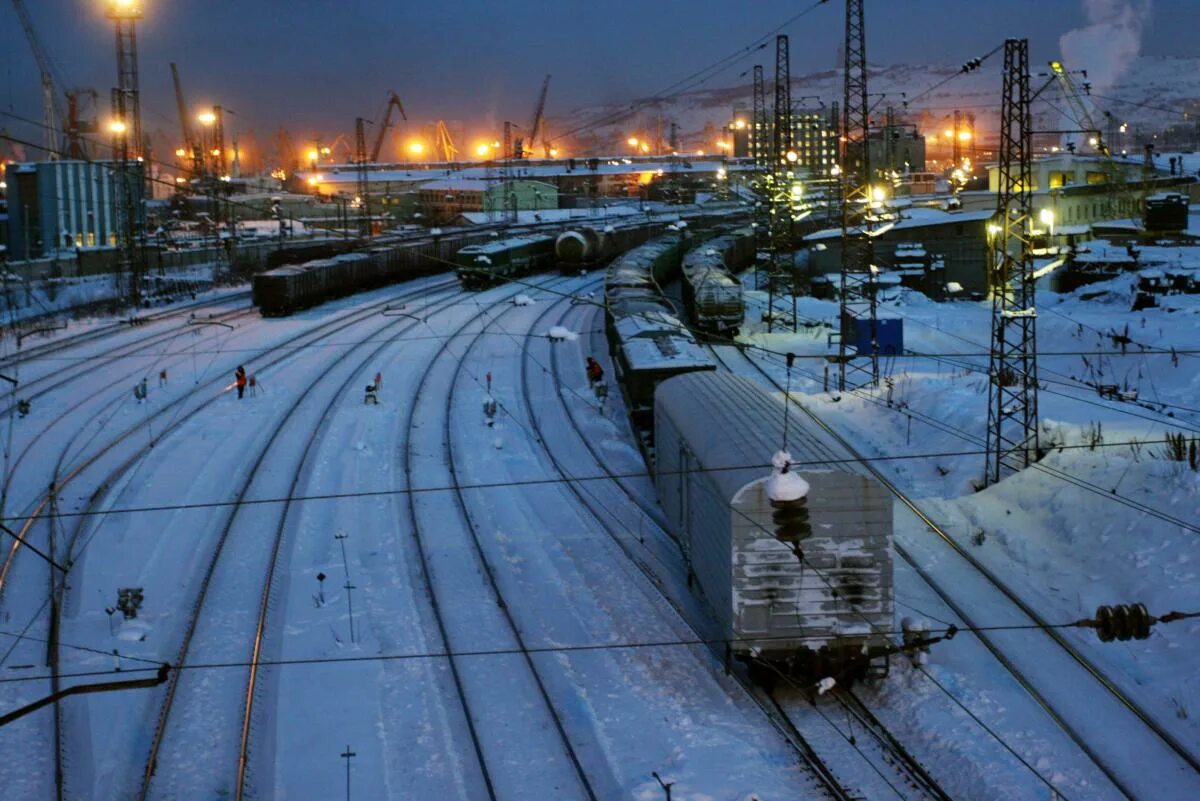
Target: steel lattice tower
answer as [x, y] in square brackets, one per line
[361, 159]
[1012, 373]
[856, 366]
[782, 160]
[759, 121]
[758, 135]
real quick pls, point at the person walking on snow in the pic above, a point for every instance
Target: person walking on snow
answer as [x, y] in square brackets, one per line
[595, 372]
[239, 378]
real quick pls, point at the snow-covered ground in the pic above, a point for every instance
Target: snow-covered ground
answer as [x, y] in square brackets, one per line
[538, 584]
[1105, 518]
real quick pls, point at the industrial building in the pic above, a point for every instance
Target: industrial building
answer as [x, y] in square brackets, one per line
[1075, 191]
[57, 206]
[445, 199]
[814, 138]
[553, 183]
[953, 248]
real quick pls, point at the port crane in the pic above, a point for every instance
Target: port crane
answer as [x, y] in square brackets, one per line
[393, 104]
[49, 105]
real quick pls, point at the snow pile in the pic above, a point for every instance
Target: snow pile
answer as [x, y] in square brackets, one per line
[481, 259]
[825, 685]
[784, 486]
[522, 300]
[558, 334]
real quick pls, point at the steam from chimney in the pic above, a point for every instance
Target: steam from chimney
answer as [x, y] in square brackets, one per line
[1109, 43]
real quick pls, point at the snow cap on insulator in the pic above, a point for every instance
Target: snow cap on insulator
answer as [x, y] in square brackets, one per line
[785, 486]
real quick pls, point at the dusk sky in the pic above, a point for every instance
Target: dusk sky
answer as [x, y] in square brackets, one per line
[316, 64]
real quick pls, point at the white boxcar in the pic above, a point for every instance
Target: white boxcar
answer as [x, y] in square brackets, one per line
[811, 596]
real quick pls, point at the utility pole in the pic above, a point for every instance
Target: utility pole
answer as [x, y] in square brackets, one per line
[348, 755]
[956, 141]
[360, 156]
[783, 159]
[858, 347]
[1012, 372]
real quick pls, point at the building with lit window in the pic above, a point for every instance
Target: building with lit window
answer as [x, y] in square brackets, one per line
[814, 138]
[63, 206]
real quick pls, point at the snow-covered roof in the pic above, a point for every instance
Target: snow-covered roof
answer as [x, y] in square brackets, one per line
[497, 245]
[457, 185]
[348, 173]
[553, 215]
[916, 217]
[747, 436]
[659, 341]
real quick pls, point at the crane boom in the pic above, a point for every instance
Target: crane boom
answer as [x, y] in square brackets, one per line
[49, 106]
[444, 142]
[393, 103]
[1118, 186]
[184, 123]
[538, 124]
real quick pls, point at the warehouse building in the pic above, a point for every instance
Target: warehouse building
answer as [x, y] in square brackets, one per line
[64, 206]
[953, 244]
[445, 199]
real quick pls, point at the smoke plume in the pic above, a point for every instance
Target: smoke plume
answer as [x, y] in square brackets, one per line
[1109, 43]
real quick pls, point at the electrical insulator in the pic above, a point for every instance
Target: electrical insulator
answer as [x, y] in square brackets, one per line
[1123, 622]
[791, 522]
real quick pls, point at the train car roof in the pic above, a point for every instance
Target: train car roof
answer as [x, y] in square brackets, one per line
[498, 245]
[730, 421]
[658, 341]
[279, 272]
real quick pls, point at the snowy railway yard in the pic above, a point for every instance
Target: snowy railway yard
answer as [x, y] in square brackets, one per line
[487, 605]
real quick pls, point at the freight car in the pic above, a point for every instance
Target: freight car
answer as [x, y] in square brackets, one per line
[712, 294]
[284, 290]
[587, 247]
[491, 263]
[647, 340]
[802, 586]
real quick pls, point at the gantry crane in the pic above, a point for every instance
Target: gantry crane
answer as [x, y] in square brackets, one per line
[49, 104]
[393, 103]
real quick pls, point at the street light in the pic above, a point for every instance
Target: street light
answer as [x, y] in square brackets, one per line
[1046, 216]
[207, 118]
[125, 9]
[416, 148]
[117, 127]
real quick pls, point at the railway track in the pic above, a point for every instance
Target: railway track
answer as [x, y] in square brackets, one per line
[1166, 752]
[271, 549]
[58, 345]
[174, 415]
[612, 523]
[498, 621]
[69, 411]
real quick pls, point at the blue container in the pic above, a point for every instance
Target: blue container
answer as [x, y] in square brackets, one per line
[888, 332]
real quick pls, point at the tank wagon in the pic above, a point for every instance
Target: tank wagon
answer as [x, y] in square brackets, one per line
[804, 587]
[490, 263]
[712, 294]
[588, 247]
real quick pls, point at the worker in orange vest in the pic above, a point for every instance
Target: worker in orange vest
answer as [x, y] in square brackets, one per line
[239, 378]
